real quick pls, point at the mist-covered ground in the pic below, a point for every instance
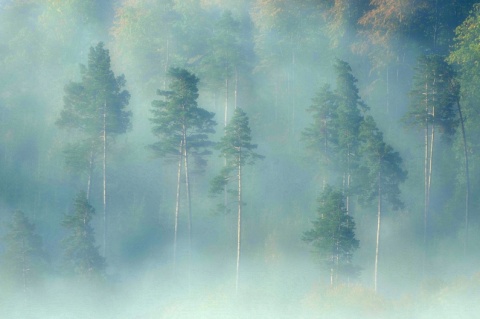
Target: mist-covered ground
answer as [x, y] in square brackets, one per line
[409, 65]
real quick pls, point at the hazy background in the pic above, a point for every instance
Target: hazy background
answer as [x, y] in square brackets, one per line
[283, 51]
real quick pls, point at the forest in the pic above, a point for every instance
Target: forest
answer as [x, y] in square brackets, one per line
[239, 159]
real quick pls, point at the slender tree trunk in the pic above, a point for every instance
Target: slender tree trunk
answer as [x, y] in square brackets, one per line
[236, 88]
[239, 221]
[425, 210]
[167, 63]
[331, 277]
[347, 198]
[426, 189]
[226, 102]
[177, 203]
[225, 193]
[467, 177]
[430, 164]
[90, 173]
[105, 227]
[189, 202]
[377, 247]
[293, 93]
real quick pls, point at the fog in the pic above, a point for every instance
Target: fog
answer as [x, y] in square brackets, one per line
[105, 214]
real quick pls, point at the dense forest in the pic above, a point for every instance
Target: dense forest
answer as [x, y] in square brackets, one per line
[239, 158]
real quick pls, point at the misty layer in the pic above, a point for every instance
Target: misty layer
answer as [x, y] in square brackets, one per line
[239, 159]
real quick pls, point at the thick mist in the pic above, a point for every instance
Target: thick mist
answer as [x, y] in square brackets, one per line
[272, 60]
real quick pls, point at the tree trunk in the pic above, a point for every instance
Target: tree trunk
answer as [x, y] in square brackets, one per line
[293, 94]
[177, 204]
[189, 203]
[239, 220]
[467, 177]
[105, 180]
[226, 102]
[236, 88]
[430, 165]
[377, 247]
[90, 173]
[426, 190]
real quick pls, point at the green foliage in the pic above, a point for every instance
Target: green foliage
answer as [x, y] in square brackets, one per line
[333, 233]
[433, 95]
[350, 108]
[226, 50]
[381, 169]
[321, 137]
[24, 262]
[178, 121]
[81, 256]
[236, 147]
[337, 117]
[99, 94]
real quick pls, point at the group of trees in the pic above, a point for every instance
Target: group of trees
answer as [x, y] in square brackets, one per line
[402, 65]
[352, 149]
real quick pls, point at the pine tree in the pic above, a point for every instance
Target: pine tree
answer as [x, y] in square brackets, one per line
[225, 57]
[321, 137]
[333, 235]
[432, 107]
[237, 149]
[95, 108]
[81, 255]
[24, 262]
[349, 119]
[337, 117]
[182, 129]
[382, 174]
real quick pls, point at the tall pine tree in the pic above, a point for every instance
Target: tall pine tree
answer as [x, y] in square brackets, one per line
[432, 108]
[182, 129]
[382, 175]
[95, 109]
[237, 149]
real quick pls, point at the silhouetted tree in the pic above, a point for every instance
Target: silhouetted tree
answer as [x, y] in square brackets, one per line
[432, 106]
[95, 108]
[182, 129]
[382, 174]
[333, 235]
[81, 256]
[24, 261]
[321, 136]
[237, 149]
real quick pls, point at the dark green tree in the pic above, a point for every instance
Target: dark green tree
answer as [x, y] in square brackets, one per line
[333, 235]
[95, 109]
[382, 172]
[24, 262]
[432, 106]
[182, 129]
[321, 136]
[464, 56]
[348, 120]
[237, 149]
[81, 255]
